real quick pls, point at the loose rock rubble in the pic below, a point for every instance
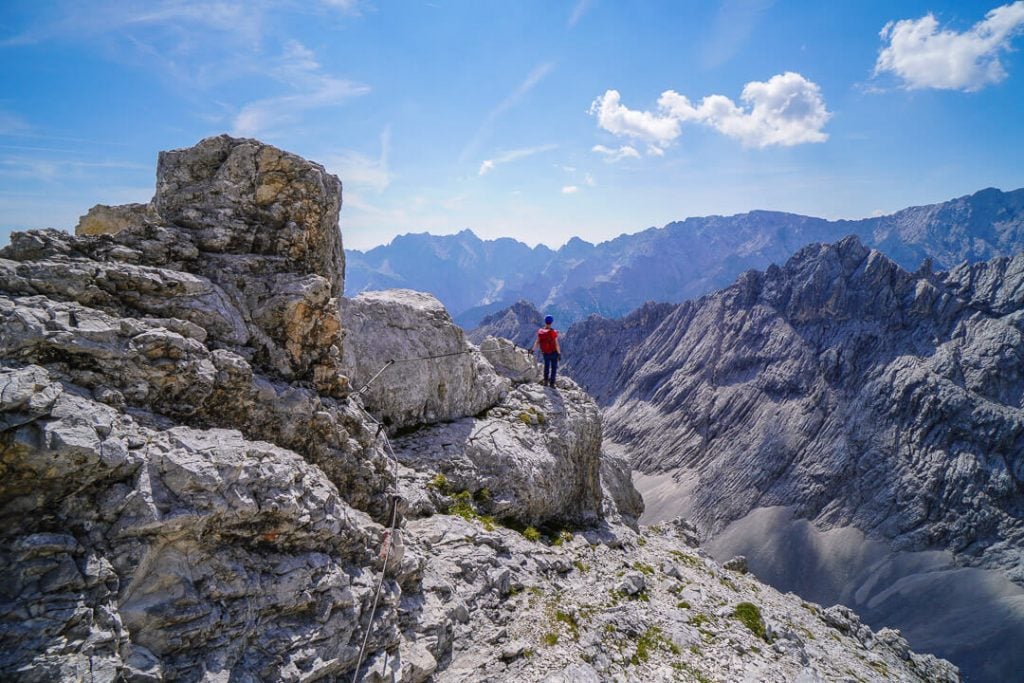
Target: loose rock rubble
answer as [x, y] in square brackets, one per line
[644, 608]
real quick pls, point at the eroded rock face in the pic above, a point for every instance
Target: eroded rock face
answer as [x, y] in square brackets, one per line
[244, 197]
[534, 458]
[853, 392]
[437, 375]
[841, 384]
[131, 551]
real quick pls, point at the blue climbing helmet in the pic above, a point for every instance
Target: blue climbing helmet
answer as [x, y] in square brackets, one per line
[548, 319]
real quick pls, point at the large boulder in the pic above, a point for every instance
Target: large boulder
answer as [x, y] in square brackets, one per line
[509, 360]
[436, 375]
[242, 196]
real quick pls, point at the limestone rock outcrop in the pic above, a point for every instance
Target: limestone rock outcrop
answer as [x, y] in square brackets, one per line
[243, 197]
[436, 377]
[133, 552]
[190, 490]
[534, 458]
[510, 360]
[110, 220]
[529, 611]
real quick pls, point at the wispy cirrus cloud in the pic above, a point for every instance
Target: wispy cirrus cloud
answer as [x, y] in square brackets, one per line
[235, 20]
[489, 165]
[536, 75]
[361, 171]
[579, 9]
[613, 155]
[922, 55]
[12, 124]
[49, 169]
[197, 45]
[312, 89]
[730, 30]
[785, 110]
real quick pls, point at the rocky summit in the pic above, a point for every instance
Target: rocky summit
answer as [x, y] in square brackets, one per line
[879, 404]
[214, 468]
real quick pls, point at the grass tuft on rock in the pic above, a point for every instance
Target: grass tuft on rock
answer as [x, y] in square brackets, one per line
[748, 614]
[650, 640]
[439, 483]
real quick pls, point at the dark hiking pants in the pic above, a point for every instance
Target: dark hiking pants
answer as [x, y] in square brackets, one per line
[550, 366]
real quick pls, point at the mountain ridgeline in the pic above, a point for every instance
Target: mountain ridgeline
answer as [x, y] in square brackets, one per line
[683, 260]
[876, 403]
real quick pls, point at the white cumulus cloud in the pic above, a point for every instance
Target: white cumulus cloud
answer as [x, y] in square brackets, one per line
[657, 128]
[925, 56]
[570, 189]
[785, 110]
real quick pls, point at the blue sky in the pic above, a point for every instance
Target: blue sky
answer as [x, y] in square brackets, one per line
[536, 120]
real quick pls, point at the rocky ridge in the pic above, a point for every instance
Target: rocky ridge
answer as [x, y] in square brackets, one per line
[196, 478]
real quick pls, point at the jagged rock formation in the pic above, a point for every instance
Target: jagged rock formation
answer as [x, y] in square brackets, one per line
[843, 387]
[190, 489]
[518, 323]
[842, 370]
[140, 544]
[680, 261]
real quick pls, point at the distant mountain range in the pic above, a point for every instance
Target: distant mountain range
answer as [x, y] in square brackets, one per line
[842, 389]
[683, 260]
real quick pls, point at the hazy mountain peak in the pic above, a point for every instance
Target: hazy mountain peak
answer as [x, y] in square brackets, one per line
[682, 260]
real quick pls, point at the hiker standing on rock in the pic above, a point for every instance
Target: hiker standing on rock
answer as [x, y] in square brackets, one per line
[547, 339]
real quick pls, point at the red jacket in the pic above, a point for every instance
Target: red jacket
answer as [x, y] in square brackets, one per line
[546, 337]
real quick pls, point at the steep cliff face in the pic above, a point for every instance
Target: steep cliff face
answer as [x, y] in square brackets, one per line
[850, 388]
[843, 390]
[190, 488]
